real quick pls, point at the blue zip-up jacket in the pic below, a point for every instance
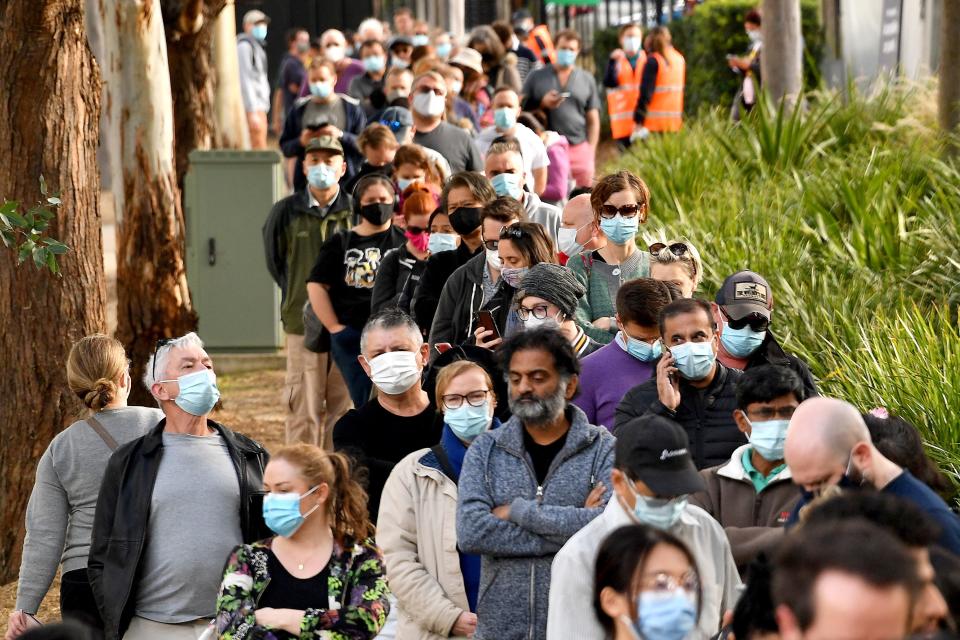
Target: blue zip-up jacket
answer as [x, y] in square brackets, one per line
[517, 553]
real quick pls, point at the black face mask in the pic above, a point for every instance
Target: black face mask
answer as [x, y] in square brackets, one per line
[465, 220]
[377, 213]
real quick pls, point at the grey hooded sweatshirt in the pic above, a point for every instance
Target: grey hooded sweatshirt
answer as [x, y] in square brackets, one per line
[517, 553]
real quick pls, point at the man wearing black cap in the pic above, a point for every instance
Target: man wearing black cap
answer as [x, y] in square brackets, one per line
[652, 476]
[743, 313]
[314, 392]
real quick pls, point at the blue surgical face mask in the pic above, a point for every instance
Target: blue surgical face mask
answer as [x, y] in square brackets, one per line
[467, 421]
[374, 63]
[694, 360]
[667, 615]
[658, 512]
[504, 118]
[421, 40]
[566, 57]
[442, 242]
[403, 183]
[321, 89]
[767, 437]
[198, 392]
[281, 512]
[399, 63]
[620, 230]
[321, 176]
[740, 343]
[508, 184]
[443, 50]
[259, 31]
[631, 45]
[642, 351]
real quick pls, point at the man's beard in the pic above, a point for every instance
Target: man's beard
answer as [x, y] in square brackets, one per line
[534, 411]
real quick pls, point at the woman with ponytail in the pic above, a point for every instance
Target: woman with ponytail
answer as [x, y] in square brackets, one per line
[322, 574]
[60, 512]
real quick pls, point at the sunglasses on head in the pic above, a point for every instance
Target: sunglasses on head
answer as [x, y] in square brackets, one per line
[608, 211]
[162, 342]
[678, 249]
[512, 232]
[756, 321]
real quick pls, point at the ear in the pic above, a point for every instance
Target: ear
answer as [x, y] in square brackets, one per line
[619, 322]
[572, 387]
[343, 167]
[787, 623]
[366, 365]
[862, 454]
[323, 493]
[741, 419]
[160, 392]
[424, 354]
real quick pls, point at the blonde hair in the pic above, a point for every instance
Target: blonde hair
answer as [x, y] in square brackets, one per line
[451, 371]
[94, 367]
[690, 260]
[347, 501]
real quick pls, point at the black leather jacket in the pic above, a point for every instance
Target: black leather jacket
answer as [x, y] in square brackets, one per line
[123, 509]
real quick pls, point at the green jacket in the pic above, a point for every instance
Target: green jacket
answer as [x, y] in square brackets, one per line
[597, 302]
[292, 237]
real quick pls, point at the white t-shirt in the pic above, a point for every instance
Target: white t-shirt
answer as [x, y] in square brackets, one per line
[531, 147]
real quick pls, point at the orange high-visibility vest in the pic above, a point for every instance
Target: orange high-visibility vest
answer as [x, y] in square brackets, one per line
[622, 99]
[665, 111]
[540, 42]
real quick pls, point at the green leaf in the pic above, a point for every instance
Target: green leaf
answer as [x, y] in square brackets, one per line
[54, 200]
[52, 264]
[9, 206]
[16, 219]
[40, 257]
[43, 185]
[55, 246]
[8, 238]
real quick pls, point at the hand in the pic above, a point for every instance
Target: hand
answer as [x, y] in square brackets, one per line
[552, 100]
[484, 338]
[337, 328]
[465, 625]
[603, 323]
[569, 329]
[617, 54]
[287, 619]
[640, 132]
[306, 135]
[19, 623]
[668, 382]
[332, 131]
[502, 512]
[595, 499]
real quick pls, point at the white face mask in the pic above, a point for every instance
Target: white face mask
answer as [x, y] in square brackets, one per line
[493, 259]
[455, 87]
[567, 242]
[429, 104]
[335, 53]
[395, 372]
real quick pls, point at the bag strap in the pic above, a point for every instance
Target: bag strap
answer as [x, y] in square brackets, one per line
[103, 433]
[444, 460]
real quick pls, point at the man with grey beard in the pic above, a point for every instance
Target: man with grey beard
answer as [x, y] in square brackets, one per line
[528, 486]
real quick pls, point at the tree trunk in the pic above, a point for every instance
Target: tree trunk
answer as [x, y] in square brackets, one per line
[153, 300]
[49, 118]
[231, 130]
[782, 58]
[950, 67]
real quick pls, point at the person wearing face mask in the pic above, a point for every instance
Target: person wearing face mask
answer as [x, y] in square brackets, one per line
[646, 585]
[291, 76]
[340, 284]
[578, 231]
[622, 80]
[396, 91]
[64, 497]
[443, 45]
[547, 297]
[521, 246]
[428, 103]
[751, 495]
[187, 469]
[743, 310]
[690, 386]
[660, 104]
[828, 445]
[506, 108]
[569, 97]
[374, 59]
[400, 419]
[633, 354]
[401, 268]
[400, 49]
[315, 394]
[324, 113]
[322, 552]
[530, 485]
[463, 200]
[504, 166]
[748, 66]
[459, 111]
[411, 165]
[621, 203]
[653, 476]
[436, 584]
[254, 84]
[333, 45]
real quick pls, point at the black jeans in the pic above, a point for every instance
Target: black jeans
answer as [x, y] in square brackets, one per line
[77, 603]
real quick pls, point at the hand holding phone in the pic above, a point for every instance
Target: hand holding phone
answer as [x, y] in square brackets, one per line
[668, 381]
[487, 334]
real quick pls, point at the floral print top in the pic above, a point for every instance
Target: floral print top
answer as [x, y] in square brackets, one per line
[357, 592]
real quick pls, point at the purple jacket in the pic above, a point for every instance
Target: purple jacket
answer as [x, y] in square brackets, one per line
[558, 174]
[601, 390]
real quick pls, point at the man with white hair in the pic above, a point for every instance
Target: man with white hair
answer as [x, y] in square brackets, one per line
[254, 85]
[333, 46]
[370, 29]
[828, 445]
[173, 504]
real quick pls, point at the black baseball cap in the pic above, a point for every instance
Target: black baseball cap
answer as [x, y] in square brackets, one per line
[654, 449]
[743, 293]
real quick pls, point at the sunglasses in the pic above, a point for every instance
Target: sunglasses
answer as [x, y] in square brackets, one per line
[678, 249]
[756, 321]
[416, 230]
[608, 211]
[491, 245]
[162, 342]
[512, 232]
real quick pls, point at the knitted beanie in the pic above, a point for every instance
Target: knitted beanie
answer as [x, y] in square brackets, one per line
[553, 283]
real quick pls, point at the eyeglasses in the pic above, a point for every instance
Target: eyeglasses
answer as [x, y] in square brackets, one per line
[455, 400]
[416, 230]
[757, 321]
[665, 582]
[769, 413]
[491, 245]
[539, 312]
[608, 211]
[512, 232]
[393, 125]
[162, 342]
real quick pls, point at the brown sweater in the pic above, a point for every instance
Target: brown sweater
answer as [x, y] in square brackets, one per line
[753, 522]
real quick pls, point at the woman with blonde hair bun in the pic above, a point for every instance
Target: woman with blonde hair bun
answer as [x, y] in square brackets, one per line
[60, 512]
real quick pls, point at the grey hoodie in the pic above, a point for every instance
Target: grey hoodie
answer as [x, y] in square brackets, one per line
[539, 211]
[517, 553]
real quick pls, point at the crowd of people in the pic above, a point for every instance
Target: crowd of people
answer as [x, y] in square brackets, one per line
[507, 416]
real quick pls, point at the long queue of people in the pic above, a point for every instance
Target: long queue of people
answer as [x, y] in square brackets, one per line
[506, 417]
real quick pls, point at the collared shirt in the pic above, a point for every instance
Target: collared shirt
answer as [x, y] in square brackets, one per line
[315, 204]
[760, 481]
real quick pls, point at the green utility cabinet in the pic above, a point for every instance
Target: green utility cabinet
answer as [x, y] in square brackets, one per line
[228, 195]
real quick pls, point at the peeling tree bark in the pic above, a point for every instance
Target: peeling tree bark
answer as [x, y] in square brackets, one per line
[231, 130]
[49, 119]
[782, 59]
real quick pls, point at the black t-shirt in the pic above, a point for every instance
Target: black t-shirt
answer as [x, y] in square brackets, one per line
[348, 264]
[378, 440]
[542, 454]
[289, 592]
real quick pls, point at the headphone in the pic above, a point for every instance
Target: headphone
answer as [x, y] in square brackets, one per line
[369, 178]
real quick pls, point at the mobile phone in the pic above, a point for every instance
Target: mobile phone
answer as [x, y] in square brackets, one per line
[672, 376]
[565, 94]
[443, 347]
[485, 320]
[317, 127]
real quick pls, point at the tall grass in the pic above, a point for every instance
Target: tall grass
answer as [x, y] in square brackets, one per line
[850, 212]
